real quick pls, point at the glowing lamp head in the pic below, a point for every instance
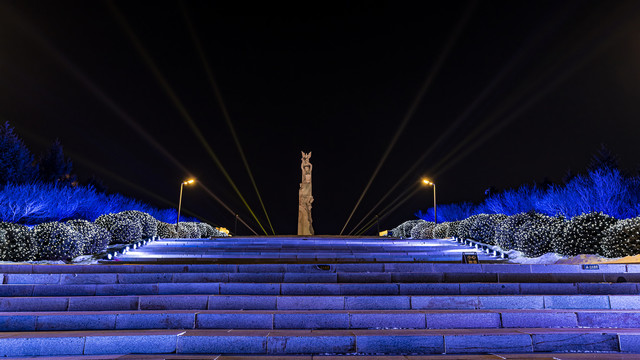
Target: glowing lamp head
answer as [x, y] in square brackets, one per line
[426, 182]
[189, 182]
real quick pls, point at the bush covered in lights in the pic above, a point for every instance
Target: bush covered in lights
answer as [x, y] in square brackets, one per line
[57, 241]
[622, 239]
[453, 229]
[422, 230]
[189, 230]
[441, 231]
[96, 238]
[166, 230]
[123, 229]
[464, 227]
[484, 227]
[148, 223]
[583, 234]
[16, 243]
[404, 230]
[505, 231]
[535, 236]
[206, 230]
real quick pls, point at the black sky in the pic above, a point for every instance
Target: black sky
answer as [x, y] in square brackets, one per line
[559, 78]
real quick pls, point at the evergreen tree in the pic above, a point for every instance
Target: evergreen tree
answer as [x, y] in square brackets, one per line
[603, 159]
[54, 167]
[16, 161]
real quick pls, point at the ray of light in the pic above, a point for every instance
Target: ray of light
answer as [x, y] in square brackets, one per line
[435, 70]
[224, 110]
[179, 105]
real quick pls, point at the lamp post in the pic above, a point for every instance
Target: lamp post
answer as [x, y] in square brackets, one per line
[186, 182]
[435, 209]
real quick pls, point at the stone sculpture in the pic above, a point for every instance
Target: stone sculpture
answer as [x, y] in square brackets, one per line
[305, 226]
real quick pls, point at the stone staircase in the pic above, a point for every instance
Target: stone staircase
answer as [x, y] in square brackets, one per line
[261, 298]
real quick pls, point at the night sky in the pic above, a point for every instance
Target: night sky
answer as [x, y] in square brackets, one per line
[517, 91]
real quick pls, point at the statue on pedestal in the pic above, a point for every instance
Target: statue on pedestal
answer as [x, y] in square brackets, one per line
[305, 199]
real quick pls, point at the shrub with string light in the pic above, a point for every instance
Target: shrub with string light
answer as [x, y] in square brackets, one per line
[534, 237]
[189, 230]
[148, 223]
[505, 232]
[96, 238]
[166, 230]
[206, 230]
[464, 228]
[622, 238]
[123, 229]
[422, 230]
[452, 231]
[583, 234]
[16, 243]
[57, 241]
[404, 230]
[484, 226]
[441, 230]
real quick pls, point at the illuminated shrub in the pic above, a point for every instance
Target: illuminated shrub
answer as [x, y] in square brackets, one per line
[464, 228]
[535, 236]
[583, 234]
[453, 229]
[484, 226]
[16, 243]
[96, 238]
[123, 229]
[441, 231]
[404, 230]
[206, 230]
[622, 239]
[167, 231]
[218, 233]
[188, 230]
[148, 223]
[57, 241]
[422, 230]
[505, 232]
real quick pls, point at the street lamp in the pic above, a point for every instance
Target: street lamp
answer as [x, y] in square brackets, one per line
[435, 210]
[186, 182]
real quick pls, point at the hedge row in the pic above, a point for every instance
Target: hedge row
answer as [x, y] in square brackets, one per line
[535, 234]
[64, 241]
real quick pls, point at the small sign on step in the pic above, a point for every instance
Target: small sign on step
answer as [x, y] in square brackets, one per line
[470, 258]
[590, 267]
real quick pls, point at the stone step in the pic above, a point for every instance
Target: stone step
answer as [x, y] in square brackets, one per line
[229, 341]
[317, 302]
[317, 319]
[421, 267]
[79, 287]
[521, 356]
[621, 280]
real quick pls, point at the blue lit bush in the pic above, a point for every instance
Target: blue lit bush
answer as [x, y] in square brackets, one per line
[621, 239]
[422, 230]
[123, 229]
[16, 243]
[441, 231]
[583, 234]
[35, 203]
[166, 230]
[96, 238]
[57, 241]
[484, 226]
[534, 237]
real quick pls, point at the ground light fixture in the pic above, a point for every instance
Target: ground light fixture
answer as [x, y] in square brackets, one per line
[186, 182]
[435, 210]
